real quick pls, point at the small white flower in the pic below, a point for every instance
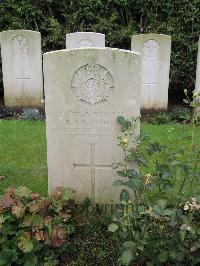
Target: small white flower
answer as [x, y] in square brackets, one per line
[188, 227]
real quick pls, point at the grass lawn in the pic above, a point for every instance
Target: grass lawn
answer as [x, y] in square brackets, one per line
[23, 150]
[23, 155]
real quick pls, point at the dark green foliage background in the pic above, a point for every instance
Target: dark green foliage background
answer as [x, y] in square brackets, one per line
[119, 20]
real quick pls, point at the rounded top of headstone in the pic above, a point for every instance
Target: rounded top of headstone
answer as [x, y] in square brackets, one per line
[151, 36]
[85, 33]
[84, 39]
[18, 31]
[114, 50]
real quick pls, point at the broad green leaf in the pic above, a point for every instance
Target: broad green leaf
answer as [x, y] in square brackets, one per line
[113, 227]
[124, 195]
[164, 170]
[132, 173]
[180, 256]
[172, 254]
[118, 183]
[68, 194]
[31, 260]
[124, 128]
[25, 244]
[162, 204]
[129, 244]
[33, 220]
[1, 219]
[127, 257]
[122, 173]
[163, 256]
[168, 212]
[7, 256]
[198, 231]
[22, 192]
[183, 235]
[134, 183]
[121, 120]
[143, 135]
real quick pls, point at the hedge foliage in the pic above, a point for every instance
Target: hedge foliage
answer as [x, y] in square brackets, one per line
[119, 20]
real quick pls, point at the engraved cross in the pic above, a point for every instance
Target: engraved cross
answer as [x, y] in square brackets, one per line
[93, 166]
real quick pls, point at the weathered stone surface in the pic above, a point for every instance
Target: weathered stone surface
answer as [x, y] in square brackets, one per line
[85, 90]
[197, 84]
[84, 39]
[22, 68]
[155, 50]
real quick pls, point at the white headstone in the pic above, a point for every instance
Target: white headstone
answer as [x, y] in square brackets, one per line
[22, 68]
[197, 84]
[155, 50]
[84, 39]
[85, 90]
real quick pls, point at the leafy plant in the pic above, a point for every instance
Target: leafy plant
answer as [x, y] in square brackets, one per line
[31, 114]
[156, 230]
[162, 118]
[34, 230]
[181, 114]
[5, 111]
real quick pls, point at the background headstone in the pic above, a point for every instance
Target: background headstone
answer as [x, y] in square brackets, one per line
[84, 39]
[85, 90]
[197, 84]
[155, 50]
[22, 68]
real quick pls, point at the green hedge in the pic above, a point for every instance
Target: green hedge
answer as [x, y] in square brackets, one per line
[119, 20]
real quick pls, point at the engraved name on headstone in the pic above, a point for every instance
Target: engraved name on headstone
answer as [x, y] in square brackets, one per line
[85, 91]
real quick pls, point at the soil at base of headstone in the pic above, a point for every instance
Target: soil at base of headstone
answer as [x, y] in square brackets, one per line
[8, 113]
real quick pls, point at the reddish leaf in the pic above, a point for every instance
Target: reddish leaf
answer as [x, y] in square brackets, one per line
[10, 191]
[6, 201]
[38, 206]
[48, 219]
[27, 234]
[57, 237]
[39, 235]
[34, 196]
[22, 192]
[57, 192]
[18, 210]
[65, 216]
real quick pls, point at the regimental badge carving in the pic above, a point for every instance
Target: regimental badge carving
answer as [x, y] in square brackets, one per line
[150, 48]
[20, 42]
[92, 84]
